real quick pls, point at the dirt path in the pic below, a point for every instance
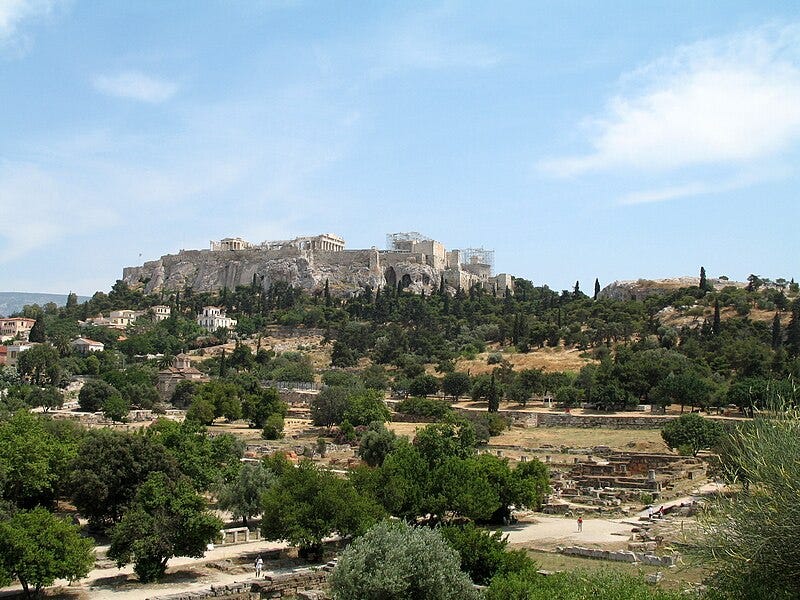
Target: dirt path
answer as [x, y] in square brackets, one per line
[184, 574]
[548, 532]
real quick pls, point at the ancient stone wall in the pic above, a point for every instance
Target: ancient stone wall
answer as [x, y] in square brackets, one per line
[307, 585]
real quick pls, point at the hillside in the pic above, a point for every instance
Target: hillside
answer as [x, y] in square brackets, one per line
[12, 302]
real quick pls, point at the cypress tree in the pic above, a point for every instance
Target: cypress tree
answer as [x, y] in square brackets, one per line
[793, 331]
[577, 289]
[703, 282]
[596, 287]
[776, 332]
[72, 300]
[493, 397]
[327, 294]
[715, 326]
[222, 364]
[37, 331]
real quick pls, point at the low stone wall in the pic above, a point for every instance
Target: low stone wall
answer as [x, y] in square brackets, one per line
[597, 421]
[305, 585]
[621, 556]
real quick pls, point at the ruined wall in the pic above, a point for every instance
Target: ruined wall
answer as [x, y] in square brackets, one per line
[303, 584]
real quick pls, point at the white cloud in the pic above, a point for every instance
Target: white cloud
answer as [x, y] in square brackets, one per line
[134, 85]
[725, 102]
[14, 12]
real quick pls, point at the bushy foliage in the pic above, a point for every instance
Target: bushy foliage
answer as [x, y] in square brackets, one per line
[36, 548]
[241, 496]
[528, 585]
[424, 407]
[483, 553]
[167, 518]
[394, 561]
[750, 539]
[691, 432]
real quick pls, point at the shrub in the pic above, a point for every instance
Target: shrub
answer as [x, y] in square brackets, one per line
[529, 585]
[394, 561]
[483, 553]
[273, 428]
[424, 407]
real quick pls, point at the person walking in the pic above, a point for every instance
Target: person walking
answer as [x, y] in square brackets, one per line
[259, 566]
[580, 524]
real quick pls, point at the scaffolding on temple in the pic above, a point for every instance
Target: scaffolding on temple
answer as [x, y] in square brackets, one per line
[481, 256]
[402, 241]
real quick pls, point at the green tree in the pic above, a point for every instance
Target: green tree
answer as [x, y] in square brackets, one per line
[167, 518]
[483, 553]
[365, 406]
[116, 408]
[376, 443]
[692, 432]
[41, 365]
[201, 411]
[307, 504]
[94, 394]
[596, 288]
[273, 428]
[109, 468]
[329, 406]
[46, 397]
[242, 495]
[456, 384]
[423, 385]
[37, 331]
[394, 561]
[703, 282]
[33, 461]
[439, 441]
[36, 548]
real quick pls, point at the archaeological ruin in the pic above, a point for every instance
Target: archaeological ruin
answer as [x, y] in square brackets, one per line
[411, 261]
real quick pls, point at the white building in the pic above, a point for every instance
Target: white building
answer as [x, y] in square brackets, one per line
[85, 346]
[213, 317]
[161, 312]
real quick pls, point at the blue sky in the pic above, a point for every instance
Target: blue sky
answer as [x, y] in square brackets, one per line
[578, 139]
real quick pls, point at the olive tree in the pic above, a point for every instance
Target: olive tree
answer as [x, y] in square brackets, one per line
[394, 561]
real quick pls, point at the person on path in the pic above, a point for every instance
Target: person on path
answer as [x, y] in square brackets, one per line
[259, 566]
[580, 524]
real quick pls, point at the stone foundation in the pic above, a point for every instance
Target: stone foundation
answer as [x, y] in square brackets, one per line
[304, 585]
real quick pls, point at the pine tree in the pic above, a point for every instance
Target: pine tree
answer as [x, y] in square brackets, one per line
[596, 287]
[703, 282]
[777, 334]
[72, 300]
[716, 325]
[37, 331]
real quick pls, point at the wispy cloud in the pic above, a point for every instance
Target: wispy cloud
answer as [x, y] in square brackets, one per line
[135, 85]
[13, 13]
[729, 102]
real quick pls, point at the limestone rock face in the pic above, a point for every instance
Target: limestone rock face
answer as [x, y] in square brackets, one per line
[347, 272]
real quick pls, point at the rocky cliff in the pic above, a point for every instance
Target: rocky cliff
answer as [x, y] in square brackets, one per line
[347, 271]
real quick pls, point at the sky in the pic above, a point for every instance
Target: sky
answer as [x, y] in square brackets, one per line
[578, 139]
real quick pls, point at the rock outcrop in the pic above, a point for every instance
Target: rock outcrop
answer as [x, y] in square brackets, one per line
[347, 272]
[640, 289]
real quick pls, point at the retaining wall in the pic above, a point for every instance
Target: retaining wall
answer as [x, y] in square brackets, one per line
[308, 585]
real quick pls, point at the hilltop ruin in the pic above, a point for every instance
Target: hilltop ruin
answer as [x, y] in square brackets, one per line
[411, 261]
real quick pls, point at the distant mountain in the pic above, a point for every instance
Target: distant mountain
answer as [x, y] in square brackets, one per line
[12, 302]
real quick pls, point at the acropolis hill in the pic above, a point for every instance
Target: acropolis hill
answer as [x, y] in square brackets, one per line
[412, 261]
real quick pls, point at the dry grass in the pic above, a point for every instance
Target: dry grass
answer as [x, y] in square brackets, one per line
[547, 359]
[646, 440]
